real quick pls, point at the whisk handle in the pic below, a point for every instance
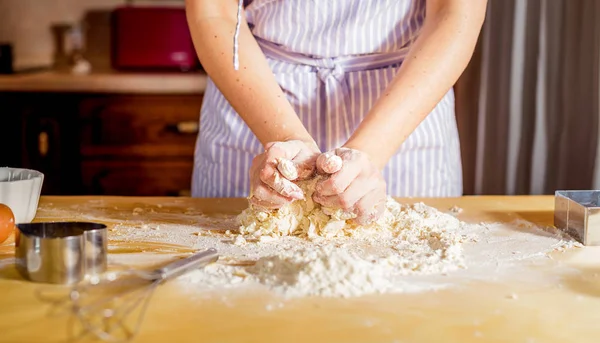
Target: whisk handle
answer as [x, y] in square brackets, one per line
[182, 266]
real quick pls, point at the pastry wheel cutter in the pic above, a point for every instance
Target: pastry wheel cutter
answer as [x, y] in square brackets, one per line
[578, 214]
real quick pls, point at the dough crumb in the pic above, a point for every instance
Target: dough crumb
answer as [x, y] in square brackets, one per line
[456, 210]
[239, 240]
[266, 239]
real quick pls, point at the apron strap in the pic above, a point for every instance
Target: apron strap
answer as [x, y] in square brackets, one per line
[336, 66]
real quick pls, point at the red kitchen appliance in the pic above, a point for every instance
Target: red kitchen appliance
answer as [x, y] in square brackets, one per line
[152, 38]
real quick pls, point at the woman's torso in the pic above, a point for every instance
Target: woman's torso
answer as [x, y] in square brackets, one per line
[324, 28]
[330, 101]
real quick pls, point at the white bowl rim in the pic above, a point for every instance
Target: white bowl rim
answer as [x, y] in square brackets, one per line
[35, 175]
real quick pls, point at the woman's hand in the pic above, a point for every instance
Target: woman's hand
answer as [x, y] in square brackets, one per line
[357, 187]
[273, 171]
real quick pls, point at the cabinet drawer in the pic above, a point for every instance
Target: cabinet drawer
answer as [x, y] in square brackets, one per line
[137, 178]
[141, 122]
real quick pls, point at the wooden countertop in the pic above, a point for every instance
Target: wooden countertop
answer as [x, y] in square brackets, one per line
[105, 82]
[567, 310]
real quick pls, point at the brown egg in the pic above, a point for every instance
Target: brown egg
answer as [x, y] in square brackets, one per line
[7, 222]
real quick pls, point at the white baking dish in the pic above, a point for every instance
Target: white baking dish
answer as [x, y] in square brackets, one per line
[20, 190]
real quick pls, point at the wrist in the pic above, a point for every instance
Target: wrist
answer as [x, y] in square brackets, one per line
[373, 153]
[305, 138]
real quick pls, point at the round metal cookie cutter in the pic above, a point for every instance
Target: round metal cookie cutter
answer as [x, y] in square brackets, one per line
[61, 252]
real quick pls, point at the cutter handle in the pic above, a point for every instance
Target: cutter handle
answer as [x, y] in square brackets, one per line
[180, 267]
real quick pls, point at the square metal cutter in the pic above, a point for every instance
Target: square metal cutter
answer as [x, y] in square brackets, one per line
[578, 214]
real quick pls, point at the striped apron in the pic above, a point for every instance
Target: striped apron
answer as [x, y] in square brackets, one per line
[332, 59]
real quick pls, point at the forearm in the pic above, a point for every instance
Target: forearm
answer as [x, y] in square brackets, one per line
[436, 60]
[252, 90]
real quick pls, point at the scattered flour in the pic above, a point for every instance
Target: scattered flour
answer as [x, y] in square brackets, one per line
[324, 271]
[330, 256]
[411, 262]
[413, 248]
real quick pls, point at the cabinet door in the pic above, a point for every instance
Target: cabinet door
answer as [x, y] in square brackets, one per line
[144, 126]
[49, 141]
[140, 178]
[10, 131]
[138, 145]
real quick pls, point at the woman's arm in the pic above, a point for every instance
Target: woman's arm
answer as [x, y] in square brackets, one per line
[433, 65]
[252, 90]
[256, 96]
[436, 60]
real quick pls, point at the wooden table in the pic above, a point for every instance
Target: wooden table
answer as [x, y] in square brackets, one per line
[567, 311]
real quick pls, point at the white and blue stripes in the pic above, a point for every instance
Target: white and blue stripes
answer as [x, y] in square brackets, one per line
[332, 59]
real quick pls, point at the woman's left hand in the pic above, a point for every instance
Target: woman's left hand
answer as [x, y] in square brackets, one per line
[357, 188]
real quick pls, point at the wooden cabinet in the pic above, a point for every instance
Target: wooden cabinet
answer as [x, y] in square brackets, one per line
[142, 121]
[103, 144]
[160, 177]
[138, 145]
[42, 135]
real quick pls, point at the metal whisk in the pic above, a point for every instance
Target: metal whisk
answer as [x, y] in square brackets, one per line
[105, 305]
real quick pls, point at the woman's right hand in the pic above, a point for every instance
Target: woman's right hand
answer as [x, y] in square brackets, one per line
[269, 187]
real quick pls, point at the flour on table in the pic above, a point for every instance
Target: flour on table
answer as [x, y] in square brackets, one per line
[316, 251]
[434, 251]
[343, 259]
[413, 248]
[323, 271]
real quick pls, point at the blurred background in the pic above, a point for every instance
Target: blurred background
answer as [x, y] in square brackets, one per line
[103, 96]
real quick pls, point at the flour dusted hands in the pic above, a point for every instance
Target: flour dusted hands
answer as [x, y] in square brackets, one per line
[272, 173]
[355, 184]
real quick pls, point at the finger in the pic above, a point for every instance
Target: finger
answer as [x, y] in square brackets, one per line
[299, 152]
[280, 155]
[337, 183]
[287, 168]
[297, 169]
[265, 197]
[329, 163]
[271, 177]
[287, 150]
[370, 207]
[349, 198]
[299, 160]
